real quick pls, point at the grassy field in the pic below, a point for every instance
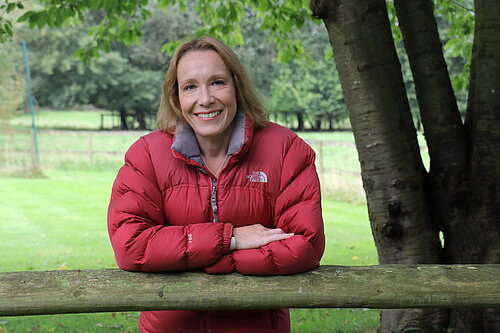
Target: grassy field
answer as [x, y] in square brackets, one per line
[64, 119]
[58, 221]
[88, 148]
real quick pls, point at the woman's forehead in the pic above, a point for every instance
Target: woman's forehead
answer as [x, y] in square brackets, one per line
[201, 63]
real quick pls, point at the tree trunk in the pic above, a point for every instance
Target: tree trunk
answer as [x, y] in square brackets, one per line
[330, 122]
[481, 230]
[140, 116]
[444, 132]
[123, 119]
[393, 175]
[317, 123]
[448, 147]
[483, 123]
[463, 193]
[300, 121]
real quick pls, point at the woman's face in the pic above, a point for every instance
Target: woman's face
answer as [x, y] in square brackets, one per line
[207, 95]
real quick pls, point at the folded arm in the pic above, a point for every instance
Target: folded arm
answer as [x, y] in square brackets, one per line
[298, 212]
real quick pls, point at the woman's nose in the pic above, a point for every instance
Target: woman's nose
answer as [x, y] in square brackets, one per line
[206, 97]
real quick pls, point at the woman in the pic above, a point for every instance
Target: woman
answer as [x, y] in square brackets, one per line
[217, 188]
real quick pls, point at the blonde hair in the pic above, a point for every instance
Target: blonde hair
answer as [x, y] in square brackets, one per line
[169, 111]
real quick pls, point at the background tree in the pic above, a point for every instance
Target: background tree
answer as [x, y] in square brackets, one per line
[408, 206]
[308, 88]
[302, 92]
[11, 81]
[127, 80]
[128, 77]
[60, 80]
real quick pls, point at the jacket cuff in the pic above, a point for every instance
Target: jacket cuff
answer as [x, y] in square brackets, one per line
[227, 233]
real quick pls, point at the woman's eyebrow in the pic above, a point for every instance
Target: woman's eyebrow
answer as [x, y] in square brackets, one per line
[219, 74]
[190, 80]
[211, 77]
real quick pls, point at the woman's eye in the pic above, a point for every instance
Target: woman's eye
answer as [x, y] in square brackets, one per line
[218, 83]
[189, 87]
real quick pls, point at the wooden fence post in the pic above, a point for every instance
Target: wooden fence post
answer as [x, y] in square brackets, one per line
[321, 162]
[90, 148]
[7, 156]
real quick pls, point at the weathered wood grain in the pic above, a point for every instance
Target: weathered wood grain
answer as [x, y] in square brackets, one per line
[387, 286]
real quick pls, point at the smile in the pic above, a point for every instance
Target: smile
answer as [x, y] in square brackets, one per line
[209, 114]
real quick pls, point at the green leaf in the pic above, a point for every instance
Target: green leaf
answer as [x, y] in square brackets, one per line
[182, 6]
[170, 47]
[145, 14]
[165, 3]
[136, 39]
[263, 5]
[26, 16]
[10, 7]
[328, 54]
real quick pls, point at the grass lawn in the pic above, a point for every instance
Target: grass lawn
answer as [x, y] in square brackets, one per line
[63, 119]
[59, 222]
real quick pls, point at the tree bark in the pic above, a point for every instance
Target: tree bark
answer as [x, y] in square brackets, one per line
[330, 122]
[300, 121]
[140, 116]
[317, 123]
[481, 228]
[444, 131]
[123, 119]
[483, 124]
[463, 194]
[393, 175]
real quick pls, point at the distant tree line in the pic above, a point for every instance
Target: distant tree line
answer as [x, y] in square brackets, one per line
[303, 94]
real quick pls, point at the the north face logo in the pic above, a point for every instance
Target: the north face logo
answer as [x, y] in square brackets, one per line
[257, 177]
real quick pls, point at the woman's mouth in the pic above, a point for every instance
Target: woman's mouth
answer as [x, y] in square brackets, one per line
[207, 115]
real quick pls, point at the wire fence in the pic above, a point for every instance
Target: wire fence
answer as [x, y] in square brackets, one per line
[64, 148]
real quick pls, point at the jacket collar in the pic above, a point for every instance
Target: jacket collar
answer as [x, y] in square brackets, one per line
[186, 145]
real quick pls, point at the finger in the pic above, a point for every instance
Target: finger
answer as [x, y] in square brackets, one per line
[282, 236]
[276, 231]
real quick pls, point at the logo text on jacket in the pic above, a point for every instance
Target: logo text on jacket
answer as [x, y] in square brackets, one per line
[258, 177]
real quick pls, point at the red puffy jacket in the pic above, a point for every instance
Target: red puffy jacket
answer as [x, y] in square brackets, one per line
[164, 204]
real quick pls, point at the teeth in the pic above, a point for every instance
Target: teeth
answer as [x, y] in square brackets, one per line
[208, 115]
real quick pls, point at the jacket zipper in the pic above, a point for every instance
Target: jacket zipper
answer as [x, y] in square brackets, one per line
[213, 200]
[213, 197]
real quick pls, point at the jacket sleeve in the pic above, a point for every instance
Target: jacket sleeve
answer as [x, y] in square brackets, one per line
[136, 228]
[298, 210]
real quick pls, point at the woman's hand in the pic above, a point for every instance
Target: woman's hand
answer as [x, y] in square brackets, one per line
[256, 235]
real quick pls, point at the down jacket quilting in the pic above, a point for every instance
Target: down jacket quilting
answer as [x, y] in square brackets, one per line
[169, 213]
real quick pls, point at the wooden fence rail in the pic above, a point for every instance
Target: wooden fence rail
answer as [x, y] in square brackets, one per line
[385, 286]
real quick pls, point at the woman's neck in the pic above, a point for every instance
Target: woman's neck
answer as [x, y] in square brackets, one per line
[213, 150]
[215, 147]
[214, 153]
